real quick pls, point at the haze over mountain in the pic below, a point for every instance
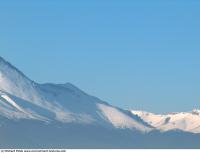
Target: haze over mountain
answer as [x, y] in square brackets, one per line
[36, 115]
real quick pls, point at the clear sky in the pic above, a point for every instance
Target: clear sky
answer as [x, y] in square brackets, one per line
[133, 54]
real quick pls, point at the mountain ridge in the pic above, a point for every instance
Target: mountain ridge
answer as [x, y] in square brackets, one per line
[67, 102]
[34, 115]
[185, 121]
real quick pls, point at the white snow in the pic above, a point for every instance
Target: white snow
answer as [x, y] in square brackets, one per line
[8, 99]
[119, 119]
[185, 121]
[14, 82]
[11, 109]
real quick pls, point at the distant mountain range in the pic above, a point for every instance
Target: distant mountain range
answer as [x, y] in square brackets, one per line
[185, 121]
[51, 115]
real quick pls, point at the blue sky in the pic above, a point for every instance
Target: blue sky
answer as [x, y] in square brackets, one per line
[133, 54]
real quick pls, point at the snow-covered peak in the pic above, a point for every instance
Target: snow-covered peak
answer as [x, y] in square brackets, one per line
[185, 121]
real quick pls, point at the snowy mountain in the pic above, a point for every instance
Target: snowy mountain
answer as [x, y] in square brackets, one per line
[51, 115]
[21, 98]
[185, 121]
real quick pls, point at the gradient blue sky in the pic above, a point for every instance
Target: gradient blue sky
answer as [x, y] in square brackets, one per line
[133, 54]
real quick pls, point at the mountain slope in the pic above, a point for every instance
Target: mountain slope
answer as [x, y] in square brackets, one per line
[22, 98]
